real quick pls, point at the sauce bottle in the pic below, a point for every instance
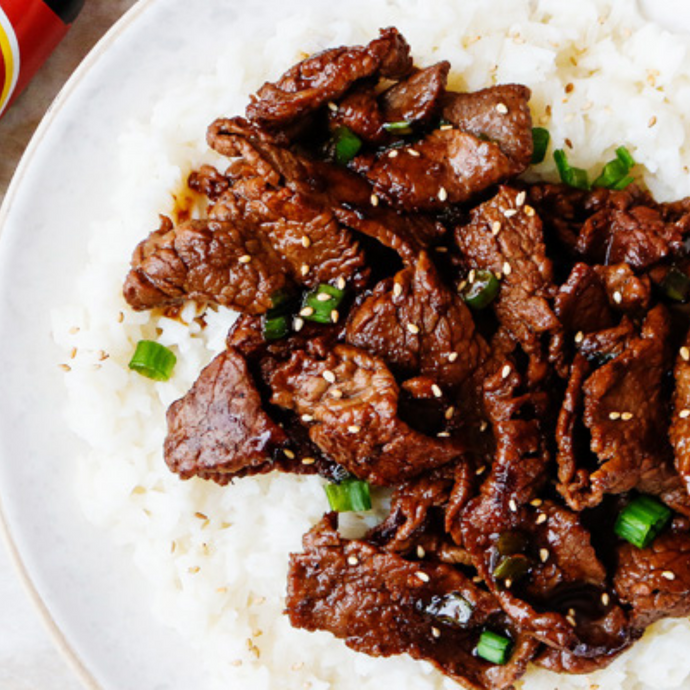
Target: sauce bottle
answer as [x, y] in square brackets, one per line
[29, 32]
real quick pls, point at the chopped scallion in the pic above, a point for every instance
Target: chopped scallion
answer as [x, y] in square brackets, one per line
[512, 568]
[641, 521]
[494, 648]
[322, 302]
[574, 177]
[482, 290]
[402, 127]
[540, 142]
[347, 145]
[676, 285]
[615, 172]
[349, 495]
[153, 360]
[276, 327]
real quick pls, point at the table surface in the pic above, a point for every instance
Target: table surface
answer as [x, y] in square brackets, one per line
[28, 658]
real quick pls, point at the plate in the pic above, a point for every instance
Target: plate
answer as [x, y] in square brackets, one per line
[90, 594]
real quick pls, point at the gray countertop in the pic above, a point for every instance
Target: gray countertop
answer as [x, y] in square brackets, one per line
[28, 658]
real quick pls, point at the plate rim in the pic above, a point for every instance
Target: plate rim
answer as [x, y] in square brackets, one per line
[55, 633]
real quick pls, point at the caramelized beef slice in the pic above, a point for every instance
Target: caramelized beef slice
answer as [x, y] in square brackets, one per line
[417, 325]
[330, 187]
[447, 166]
[626, 291]
[505, 237]
[207, 260]
[382, 605]
[500, 114]
[581, 304]
[655, 581]
[326, 76]
[680, 421]
[219, 429]
[349, 400]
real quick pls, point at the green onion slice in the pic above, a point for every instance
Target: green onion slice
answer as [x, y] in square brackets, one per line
[676, 285]
[540, 142]
[347, 145]
[402, 127]
[349, 495]
[320, 303]
[451, 609]
[153, 360]
[574, 177]
[482, 291]
[276, 328]
[512, 568]
[615, 172]
[641, 521]
[494, 648]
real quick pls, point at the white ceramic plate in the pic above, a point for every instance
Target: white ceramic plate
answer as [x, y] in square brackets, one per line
[91, 596]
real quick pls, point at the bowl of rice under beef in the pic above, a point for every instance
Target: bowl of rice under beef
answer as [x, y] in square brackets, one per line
[507, 357]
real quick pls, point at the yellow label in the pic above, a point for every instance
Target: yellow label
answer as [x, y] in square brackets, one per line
[9, 54]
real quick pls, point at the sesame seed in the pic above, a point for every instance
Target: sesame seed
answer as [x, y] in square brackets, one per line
[520, 198]
[443, 434]
[536, 502]
[298, 324]
[477, 579]
[508, 583]
[495, 227]
[354, 429]
[481, 470]
[462, 285]
[308, 461]
[512, 505]
[509, 212]
[502, 108]
[341, 283]
[613, 416]
[499, 275]
[543, 555]
[571, 612]
[307, 418]
[304, 269]
[397, 289]
[323, 297]
[483, 426]
[337, 393]
[684, 414]
[353, 560]
[245, 259]
[422, 576]
[200, 516]
[652, 121]
[374, 200]
[617, 297]
[507, 269]
[333, 106]
[335, 315]
[441, 249]
[436, 390]
[306, 242]
[307, 311]
[414, 153]
[579, 337]
[668, 575]
[571, 620]
[449, 413]
[505, 372]
[288, 454]
[445, 128]
[626, 416]
[452, 356]
[329, 376]
[442, 194]
[421, 552]
[472, 275]
[65, 367]
[435, 632]
[542, 518]
[529, 211]
[685, 354]
[393, 154]
[412, 328]
[605, 599]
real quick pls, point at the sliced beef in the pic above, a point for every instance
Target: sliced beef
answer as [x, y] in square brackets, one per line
[326, 76]
[500, 114]
[626, 291]
[219, 429]
[680, 422]
[382, 605]
[349, 399]
[581, 304]
[505, 237]
[655, 581]
[206, 260]
[417, 325]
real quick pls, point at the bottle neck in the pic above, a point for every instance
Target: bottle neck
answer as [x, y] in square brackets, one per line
[67, 10]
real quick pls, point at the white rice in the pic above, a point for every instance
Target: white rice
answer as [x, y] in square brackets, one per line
[216, 558]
